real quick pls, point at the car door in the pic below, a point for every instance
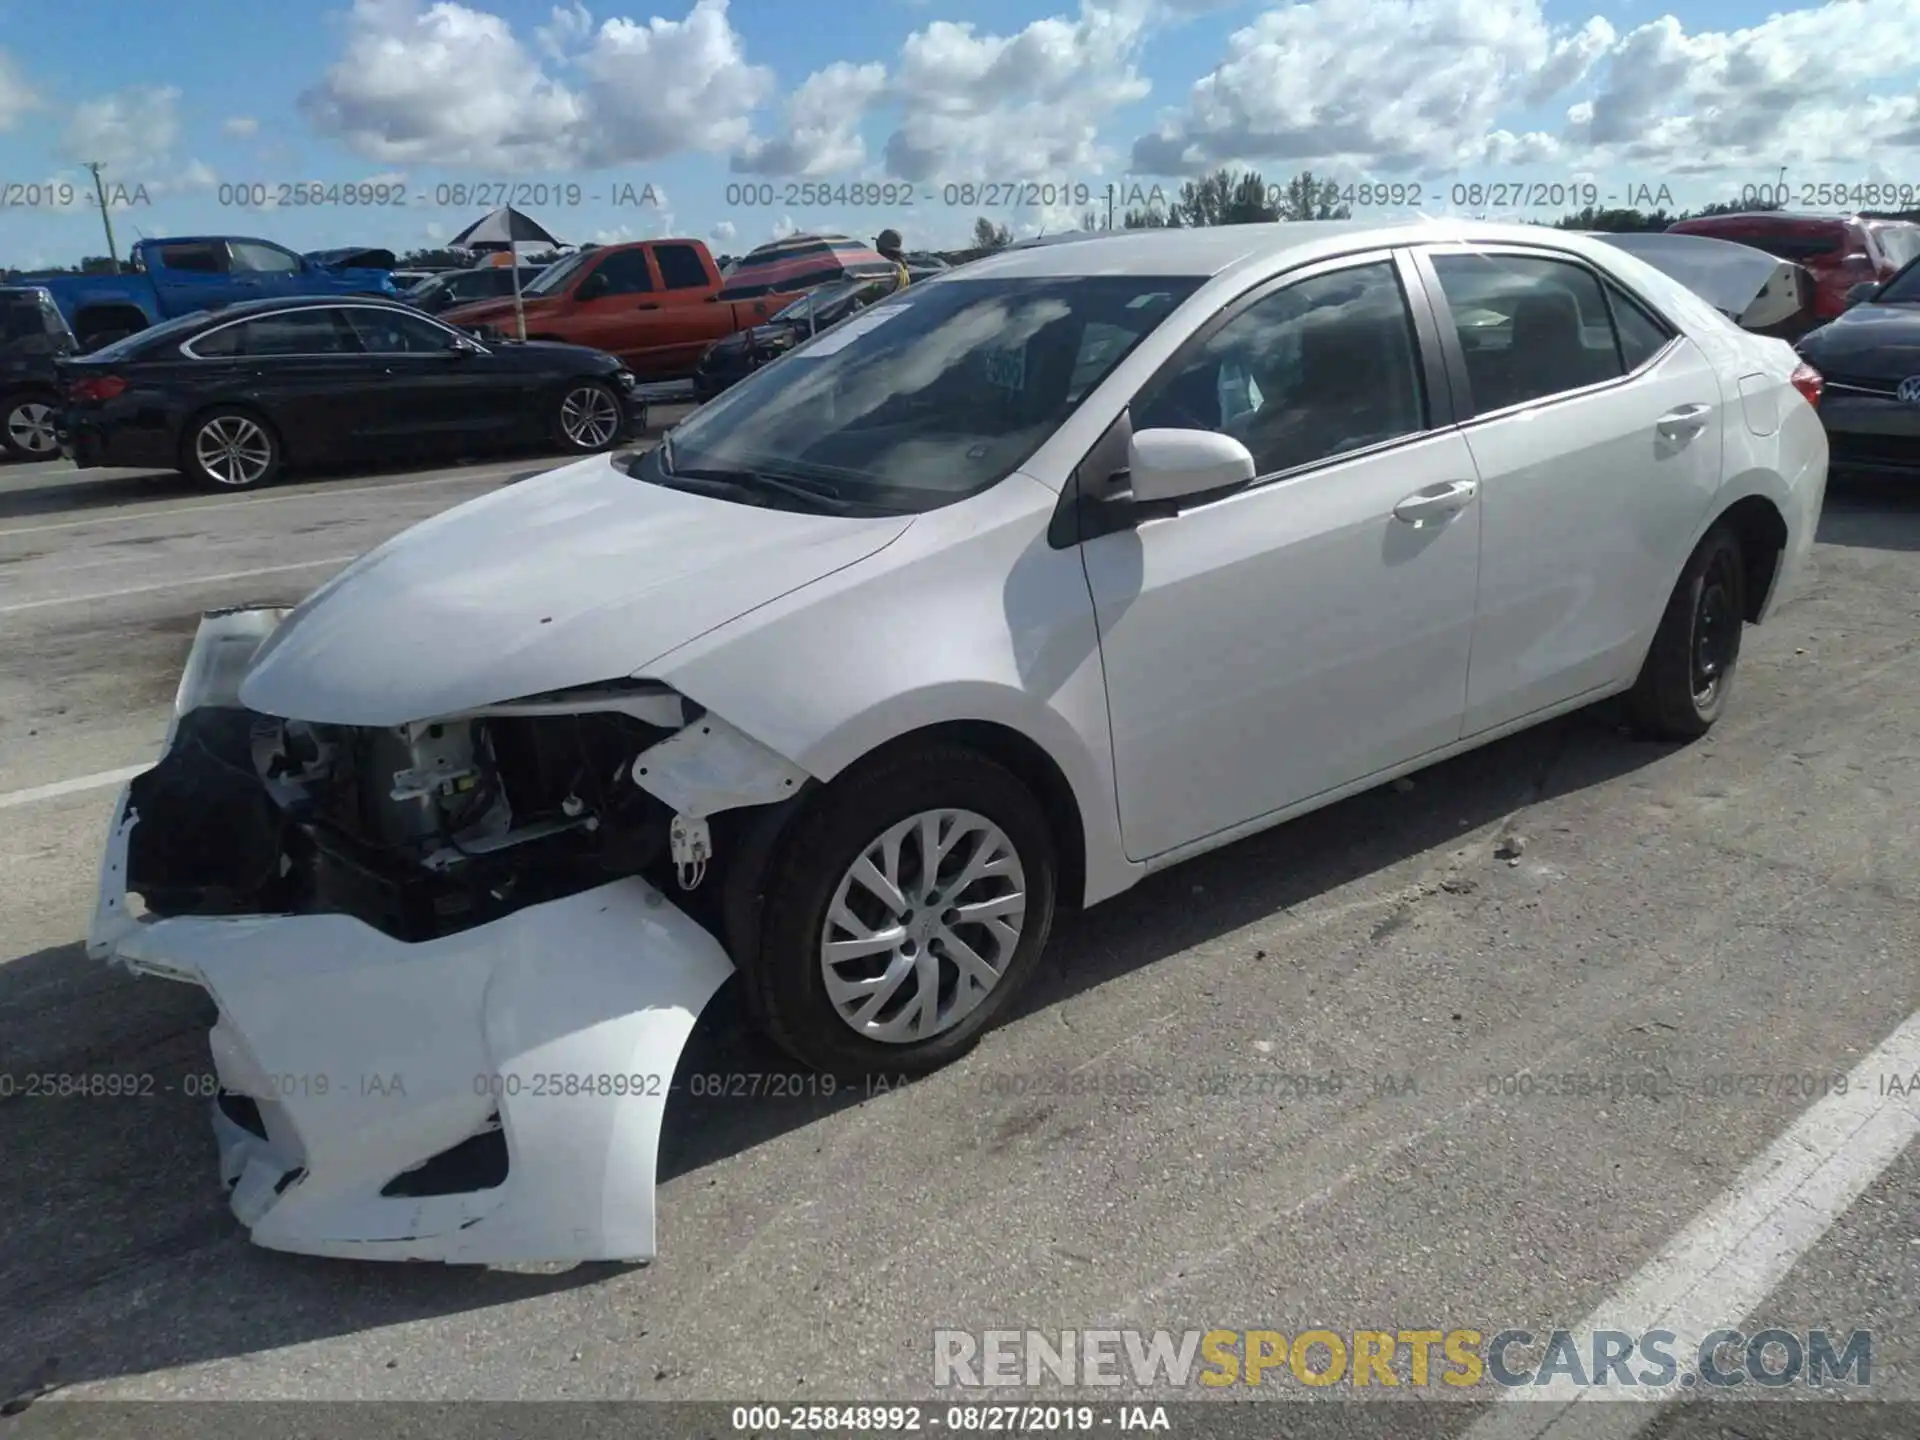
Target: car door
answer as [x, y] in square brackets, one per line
[695, 317]
[611, 308]
[430, 392]
[301, 368]
[191, 275]
[1312, 628]
[264, 271]
[1595, 428]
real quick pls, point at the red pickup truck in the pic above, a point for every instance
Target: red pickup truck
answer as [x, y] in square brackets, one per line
[656, 304]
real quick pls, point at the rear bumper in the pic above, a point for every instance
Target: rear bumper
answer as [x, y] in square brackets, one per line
[1871, 433]
[516, 1074]
[89, 445]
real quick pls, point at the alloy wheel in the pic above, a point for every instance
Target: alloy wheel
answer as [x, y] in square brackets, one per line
[923, 926]
[589, 417]
[232, 450]
[30, 428]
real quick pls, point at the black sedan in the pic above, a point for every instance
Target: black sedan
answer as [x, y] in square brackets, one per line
[732, 358]
[231, 396]
[1870, 357]
[32, 336]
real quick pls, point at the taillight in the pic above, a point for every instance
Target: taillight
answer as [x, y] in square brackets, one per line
[1809, 382]
[98, 387]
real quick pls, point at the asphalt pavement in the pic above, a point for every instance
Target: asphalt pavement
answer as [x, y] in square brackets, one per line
[1273, 1088]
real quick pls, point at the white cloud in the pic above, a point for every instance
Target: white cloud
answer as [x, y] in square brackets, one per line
[820, 135]
[127, 131]
[724, 233]
[241, 127]
[998, 107]
[16, 96]
[1422, 86]
[782, 228]
[450, 84]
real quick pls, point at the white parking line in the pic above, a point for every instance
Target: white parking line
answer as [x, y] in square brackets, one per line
[78, 783]
[174, 584]
[1719, 1269]
[113, 515]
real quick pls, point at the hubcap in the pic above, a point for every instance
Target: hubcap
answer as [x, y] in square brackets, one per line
[233, 450]
[1716, 630]
[30, 428]
[588, 417]
[923, 926]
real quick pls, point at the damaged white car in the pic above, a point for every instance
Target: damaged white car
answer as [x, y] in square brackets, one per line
[993, 600]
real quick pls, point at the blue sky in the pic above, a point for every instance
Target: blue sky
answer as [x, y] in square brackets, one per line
[190, 104]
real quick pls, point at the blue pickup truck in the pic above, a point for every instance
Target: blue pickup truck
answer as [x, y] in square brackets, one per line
[178, 276]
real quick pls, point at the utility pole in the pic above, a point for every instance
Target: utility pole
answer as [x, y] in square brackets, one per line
[1109, 205]
[106, 218]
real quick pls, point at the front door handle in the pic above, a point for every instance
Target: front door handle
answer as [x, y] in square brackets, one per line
[1436, 502]
[1684, 422]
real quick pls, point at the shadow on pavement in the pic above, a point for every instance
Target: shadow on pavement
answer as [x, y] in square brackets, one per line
[122, 1258]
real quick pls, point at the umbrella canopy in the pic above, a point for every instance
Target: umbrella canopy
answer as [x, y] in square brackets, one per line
[505, 226]
[800, 262]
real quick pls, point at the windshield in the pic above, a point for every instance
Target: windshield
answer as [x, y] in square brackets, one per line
[923, 400]
[1902, 289]
[558, 275]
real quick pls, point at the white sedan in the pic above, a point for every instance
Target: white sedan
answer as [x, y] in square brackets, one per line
[1047, 575]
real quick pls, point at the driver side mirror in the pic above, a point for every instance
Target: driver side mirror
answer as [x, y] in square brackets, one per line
[1863, 292]
[1176, 464]
[593, 287]
[461, 348]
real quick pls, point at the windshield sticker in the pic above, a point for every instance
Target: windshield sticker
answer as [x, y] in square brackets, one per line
[847, 331]
[1007, 368]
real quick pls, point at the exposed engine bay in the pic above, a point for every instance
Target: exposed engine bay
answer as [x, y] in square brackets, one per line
[418, 830]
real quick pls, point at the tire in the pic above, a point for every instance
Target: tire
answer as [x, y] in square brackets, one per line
[228, 448]
[27, 425]
[810, 880]
[587, 417]
[1684, 682]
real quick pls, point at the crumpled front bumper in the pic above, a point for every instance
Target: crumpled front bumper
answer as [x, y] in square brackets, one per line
[349, 1057]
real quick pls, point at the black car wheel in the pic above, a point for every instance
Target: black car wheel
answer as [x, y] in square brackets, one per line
[1682, 688]
[230, 449]
[904, 912]
[588, 418]
[27, 426]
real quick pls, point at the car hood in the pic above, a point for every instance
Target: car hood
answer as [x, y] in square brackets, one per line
[580, 575]
[1871, 342]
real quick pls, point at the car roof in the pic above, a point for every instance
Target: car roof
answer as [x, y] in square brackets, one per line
[1765, 220]
[1204, 252]
[240, 309]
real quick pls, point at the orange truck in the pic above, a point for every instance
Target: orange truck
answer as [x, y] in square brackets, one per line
[655, 304]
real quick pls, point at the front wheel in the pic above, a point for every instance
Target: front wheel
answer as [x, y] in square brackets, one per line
[1683, 685]
[27, 427]
[588, 419]
[229, 449]
[904, 914]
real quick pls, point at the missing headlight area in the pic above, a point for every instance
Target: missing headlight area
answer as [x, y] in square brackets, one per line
[419, 830]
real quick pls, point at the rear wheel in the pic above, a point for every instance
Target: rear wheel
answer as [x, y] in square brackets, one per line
[27, 426]
[230, 449]
[905, 911]
[588, 418]
[1684, 682]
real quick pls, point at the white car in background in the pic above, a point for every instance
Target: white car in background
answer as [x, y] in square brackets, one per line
[1039, 578]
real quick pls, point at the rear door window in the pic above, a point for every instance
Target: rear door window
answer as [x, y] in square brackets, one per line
[291, 333]
[1529, 327]
[680, 267]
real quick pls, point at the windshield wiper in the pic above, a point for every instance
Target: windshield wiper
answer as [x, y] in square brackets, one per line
[812, 492]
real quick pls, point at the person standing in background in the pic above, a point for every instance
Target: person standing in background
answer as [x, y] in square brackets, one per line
[888, 244]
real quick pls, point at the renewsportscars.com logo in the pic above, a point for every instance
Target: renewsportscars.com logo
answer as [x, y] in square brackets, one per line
[1547, 1360]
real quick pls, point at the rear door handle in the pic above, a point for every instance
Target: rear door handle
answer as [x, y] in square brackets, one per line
[1685, 421]
[1436, 502]
[647, 305]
